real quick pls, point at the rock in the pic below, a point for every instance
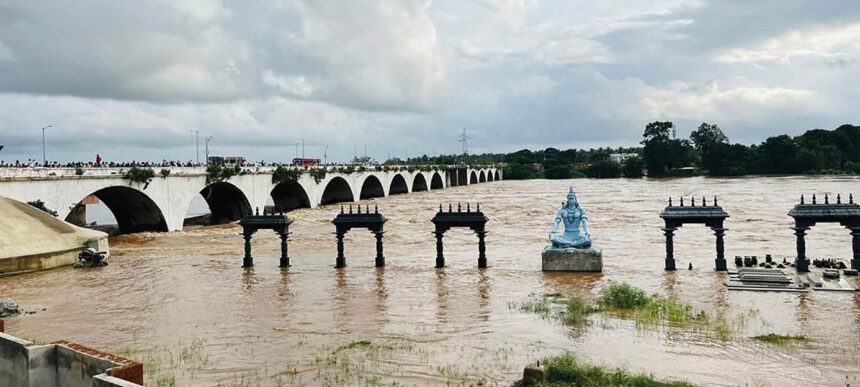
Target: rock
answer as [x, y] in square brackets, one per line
[8, 308]
[532, 375]
[570, 259]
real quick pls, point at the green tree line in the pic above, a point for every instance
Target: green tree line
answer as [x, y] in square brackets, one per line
[707, 151]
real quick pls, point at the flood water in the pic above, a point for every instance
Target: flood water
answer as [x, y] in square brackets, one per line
[182, 301]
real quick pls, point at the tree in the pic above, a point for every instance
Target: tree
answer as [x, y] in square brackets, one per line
[519, 171]
[558, 172]
[603, 169]
[710, 144]
[632, 167]
[662, 152]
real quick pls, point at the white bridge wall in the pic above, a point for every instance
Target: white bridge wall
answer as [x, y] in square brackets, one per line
[61, 189]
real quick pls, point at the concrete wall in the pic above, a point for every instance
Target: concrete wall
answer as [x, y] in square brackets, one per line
[23, 364]
[14, 361]
[61, 189]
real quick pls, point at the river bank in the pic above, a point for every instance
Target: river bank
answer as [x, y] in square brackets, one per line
[191, 313]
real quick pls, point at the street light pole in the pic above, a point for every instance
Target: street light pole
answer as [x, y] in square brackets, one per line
[325, 155]
[303, 148]
[197, 142]
[207, 148]
[44, 158]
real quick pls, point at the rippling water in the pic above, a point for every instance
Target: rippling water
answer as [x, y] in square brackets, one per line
[165, 293]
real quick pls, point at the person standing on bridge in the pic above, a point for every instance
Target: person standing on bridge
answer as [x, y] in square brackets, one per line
[98, 160]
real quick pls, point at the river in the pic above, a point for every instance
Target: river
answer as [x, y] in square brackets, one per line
[181, 302]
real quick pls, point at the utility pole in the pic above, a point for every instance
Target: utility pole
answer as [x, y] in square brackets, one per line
[44, 158]
[197, 142]
[207, 148]
[465, 140]
[303, 148]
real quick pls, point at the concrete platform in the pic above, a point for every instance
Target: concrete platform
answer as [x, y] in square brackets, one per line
[570, 259]
[31, 239]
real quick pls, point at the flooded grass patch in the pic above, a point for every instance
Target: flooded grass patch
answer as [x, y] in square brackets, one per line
[782, 340]
[567, 370]
[624, 301]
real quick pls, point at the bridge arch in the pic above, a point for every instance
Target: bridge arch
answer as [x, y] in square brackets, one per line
[337, 190]
[290, 195]
[133, 210]
[398, 185]
[498, 176]
[371, 188]
[437, 182]
[490, 176]
[482, 178]
[419, 183]
[227, 203]
[473, 178]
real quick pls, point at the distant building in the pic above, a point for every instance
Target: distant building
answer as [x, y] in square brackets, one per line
[620, 158]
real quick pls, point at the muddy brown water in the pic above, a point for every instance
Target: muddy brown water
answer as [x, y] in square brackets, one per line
[182, 301]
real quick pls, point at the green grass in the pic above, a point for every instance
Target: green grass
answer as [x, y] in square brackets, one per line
[623, 296]
[659, 309]
[567, 370]
[578, 311]
[773, 338]
[627, 301]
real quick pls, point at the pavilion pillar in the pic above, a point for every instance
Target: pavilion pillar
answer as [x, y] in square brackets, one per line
[670, 248]
[380, 259]
[855, 247]
[285, 258]
[482, 250]
[440, 258]
[248, 261]
[340, 262]
[801, 263]
[720, 262]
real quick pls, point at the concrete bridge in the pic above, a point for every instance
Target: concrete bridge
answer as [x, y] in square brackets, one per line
[163, 202]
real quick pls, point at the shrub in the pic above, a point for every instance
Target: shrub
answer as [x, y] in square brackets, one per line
[139, 175]
[164, 173]
[623, 296]
[319, 174]
[216, 173]
[41, 205]
[284, 174]
[79, 171]
[566, 370]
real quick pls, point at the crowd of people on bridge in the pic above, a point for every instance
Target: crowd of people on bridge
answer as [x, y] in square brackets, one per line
[99, 163]
[33, 163]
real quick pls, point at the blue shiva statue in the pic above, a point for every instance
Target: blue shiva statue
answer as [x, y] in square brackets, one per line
[573, 217]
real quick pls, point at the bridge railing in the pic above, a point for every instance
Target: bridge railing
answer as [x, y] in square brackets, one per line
[13, 173]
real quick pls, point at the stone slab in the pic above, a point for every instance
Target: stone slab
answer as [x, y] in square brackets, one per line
[581, 260]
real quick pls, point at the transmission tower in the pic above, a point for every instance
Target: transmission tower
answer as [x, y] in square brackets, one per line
[465, 140]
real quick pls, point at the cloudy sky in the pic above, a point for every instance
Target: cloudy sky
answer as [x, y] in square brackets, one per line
[130, 79]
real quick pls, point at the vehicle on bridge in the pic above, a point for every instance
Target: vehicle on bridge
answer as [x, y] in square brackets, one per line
[306, 162]
[227, 160]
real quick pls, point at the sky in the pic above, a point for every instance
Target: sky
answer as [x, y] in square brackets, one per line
[132, 80]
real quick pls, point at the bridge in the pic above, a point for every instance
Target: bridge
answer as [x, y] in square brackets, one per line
[161, 204]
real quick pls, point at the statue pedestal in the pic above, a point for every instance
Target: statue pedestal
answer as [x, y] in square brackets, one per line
[570, 259]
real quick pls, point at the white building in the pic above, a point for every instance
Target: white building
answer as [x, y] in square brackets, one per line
[622, 157]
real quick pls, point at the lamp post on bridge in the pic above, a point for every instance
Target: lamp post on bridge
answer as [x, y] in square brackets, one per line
[44, 158]
[197, 142]
[206, 149]
[325, 155]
